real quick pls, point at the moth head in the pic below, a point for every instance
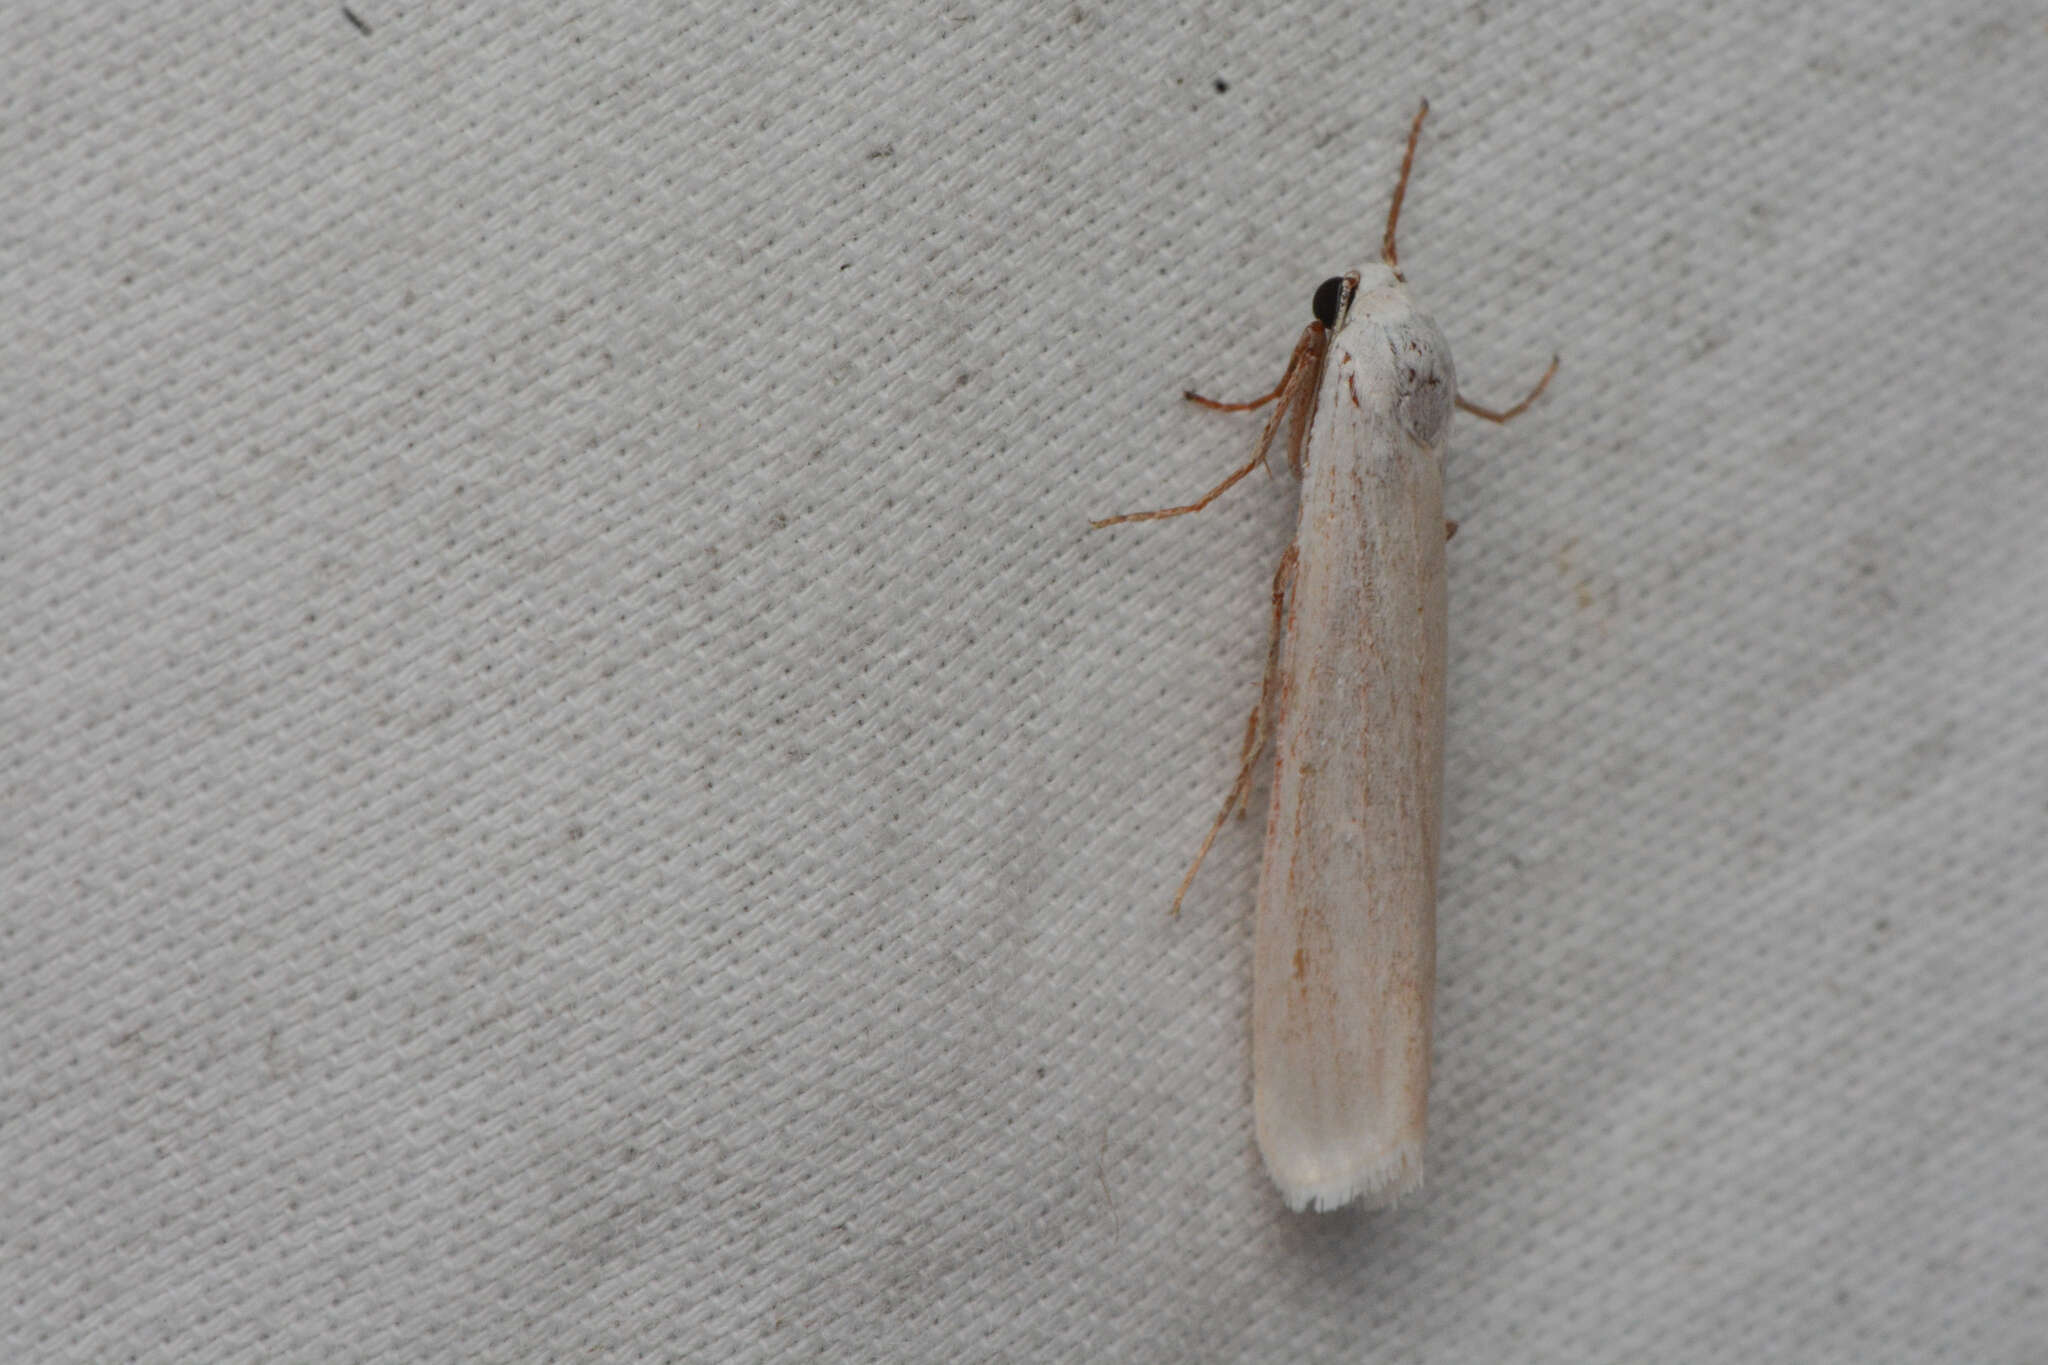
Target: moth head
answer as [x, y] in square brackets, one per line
[1336, 296]
[1333, 300]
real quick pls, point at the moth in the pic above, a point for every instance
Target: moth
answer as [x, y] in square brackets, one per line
[1344, 944]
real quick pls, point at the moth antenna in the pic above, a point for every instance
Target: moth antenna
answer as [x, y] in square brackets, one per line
[1401, 190]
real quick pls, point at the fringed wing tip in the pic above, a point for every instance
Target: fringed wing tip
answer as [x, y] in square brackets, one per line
[1377, 1181]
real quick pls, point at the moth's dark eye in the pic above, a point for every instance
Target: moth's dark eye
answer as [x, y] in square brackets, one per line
[1328, 295]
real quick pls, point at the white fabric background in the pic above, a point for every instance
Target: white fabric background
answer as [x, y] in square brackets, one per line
[575, 783]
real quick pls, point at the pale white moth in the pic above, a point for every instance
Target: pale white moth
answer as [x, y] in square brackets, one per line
[1344, 945]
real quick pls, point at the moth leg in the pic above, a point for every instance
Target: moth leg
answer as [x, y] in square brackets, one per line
[1518, 409]
[1311, 336]
[1269, 692]
[1302, 367]
[1303, 406]
[1258, 402]
[1256, 727]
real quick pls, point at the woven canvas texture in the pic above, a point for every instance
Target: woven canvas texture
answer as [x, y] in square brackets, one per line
[574, 783]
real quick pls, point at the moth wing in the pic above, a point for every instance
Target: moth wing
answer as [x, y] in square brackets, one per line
[1345, 941]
